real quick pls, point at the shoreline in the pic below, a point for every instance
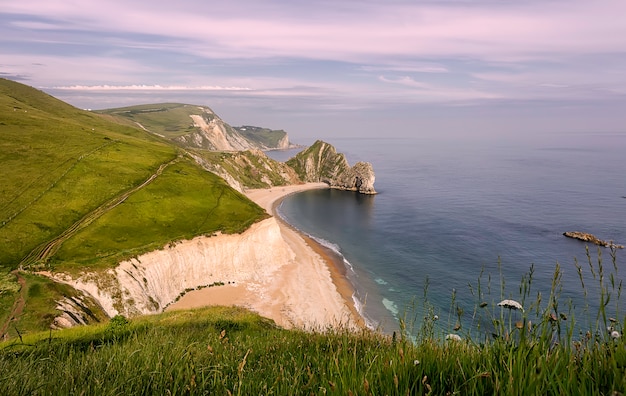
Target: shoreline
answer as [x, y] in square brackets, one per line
[310, 291]
[334, 263]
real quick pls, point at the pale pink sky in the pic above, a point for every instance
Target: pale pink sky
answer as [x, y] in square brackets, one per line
[543, 62]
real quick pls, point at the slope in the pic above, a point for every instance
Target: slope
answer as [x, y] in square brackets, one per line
[59, 163]
[107, 191]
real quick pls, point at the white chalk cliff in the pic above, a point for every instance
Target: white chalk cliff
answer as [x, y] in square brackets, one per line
[258, 258]
[212, 133]
[148, 283]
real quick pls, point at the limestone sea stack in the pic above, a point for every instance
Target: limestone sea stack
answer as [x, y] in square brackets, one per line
[321, 163]
[586, 237]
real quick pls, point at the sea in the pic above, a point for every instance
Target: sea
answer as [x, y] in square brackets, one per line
[460, 221]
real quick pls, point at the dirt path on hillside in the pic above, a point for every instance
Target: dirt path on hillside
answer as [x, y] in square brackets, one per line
[46, 250]
[18, 305]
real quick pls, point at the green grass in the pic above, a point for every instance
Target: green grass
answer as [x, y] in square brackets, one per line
[168, 119]
[58, 164]
[8, 291]
[232, 351]
[42, 297]
[185, 201]
[265, 136]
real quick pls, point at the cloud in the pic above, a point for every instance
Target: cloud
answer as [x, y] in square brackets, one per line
[353, 31]
[407, 81]
[147, 88]
[415, 68]
[346, 54]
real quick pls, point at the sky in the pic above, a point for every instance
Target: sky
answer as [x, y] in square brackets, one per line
[336, 68]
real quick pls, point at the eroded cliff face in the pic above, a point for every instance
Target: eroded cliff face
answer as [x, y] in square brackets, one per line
[213, 134]
[284, 143]
[149, 283]
[322, 163]
[80, 309]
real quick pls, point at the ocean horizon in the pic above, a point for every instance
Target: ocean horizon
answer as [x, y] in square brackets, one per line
[451, 211]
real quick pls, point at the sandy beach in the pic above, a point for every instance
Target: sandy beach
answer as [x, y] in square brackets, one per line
[309, 291]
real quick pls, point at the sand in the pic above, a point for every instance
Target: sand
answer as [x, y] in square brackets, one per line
[308, 292]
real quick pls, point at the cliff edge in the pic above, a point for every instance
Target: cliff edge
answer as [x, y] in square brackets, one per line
[321, 163]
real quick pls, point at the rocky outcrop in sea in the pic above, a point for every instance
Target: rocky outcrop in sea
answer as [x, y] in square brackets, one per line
[321, 163]
[586, 237]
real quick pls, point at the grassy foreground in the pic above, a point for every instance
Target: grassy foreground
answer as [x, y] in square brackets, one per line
[231, 351]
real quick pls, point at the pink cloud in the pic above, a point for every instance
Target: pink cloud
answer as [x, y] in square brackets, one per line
[419, 48]
[142, 87]
[360, 32]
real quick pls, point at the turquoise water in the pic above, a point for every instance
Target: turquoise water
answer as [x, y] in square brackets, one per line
[449, 209]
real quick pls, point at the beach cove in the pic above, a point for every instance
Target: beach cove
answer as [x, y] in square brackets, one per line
[308, 290]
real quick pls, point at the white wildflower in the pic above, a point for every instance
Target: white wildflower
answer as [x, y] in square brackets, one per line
[454, 337]
[436, 317]
[416, 362]
[615, 334]
[511, 304]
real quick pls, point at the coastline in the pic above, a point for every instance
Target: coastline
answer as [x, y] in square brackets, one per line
[334, 263]
[309, 292]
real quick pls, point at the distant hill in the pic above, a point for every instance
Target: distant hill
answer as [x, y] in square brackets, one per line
[270, 138]
[193, 126]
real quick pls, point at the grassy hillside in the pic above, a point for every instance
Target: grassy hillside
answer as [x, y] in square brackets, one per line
[183, 202]
[82, 192]
[230, 351]
[167, 119]
[250, 168]
[266, 136]
[60, 163]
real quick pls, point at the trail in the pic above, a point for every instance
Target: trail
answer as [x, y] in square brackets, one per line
[18, 305]
[44, 251]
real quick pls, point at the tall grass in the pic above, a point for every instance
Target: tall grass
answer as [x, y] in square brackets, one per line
[541, 349]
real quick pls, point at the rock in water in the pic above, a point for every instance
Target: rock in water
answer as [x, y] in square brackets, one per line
[322, 163]
[358, 178]
[586, 237]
